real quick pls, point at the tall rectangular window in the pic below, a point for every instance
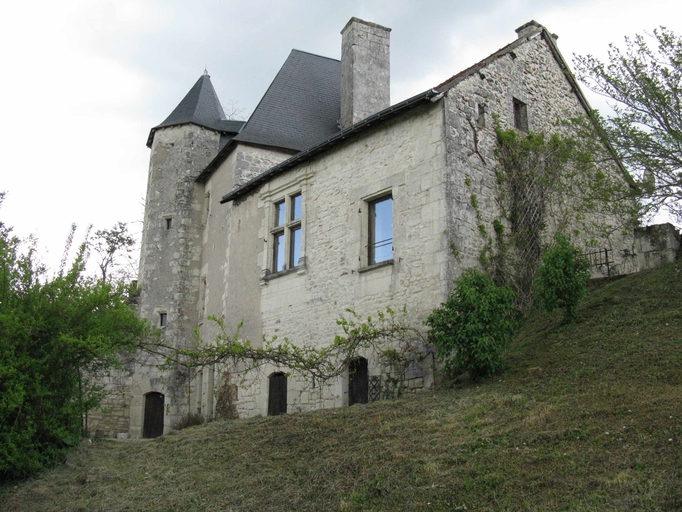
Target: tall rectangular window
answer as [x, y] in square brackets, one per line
[286, 234]
[163, 320]
[520, 115]
[380, 243]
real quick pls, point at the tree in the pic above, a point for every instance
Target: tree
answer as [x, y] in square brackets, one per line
[112, 245]
[54, 333]
[645, 81]
[562, 278]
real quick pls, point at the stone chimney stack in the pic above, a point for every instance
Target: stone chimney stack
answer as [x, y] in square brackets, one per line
[365, 70]
[528, 29]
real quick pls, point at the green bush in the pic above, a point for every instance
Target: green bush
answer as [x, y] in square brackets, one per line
[562, 278]
[472, 327]
[54, 333]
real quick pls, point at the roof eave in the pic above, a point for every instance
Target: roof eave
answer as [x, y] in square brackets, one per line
[342, 136]
[150, 139]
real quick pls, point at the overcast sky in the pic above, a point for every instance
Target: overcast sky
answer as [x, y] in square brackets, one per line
[85, 80]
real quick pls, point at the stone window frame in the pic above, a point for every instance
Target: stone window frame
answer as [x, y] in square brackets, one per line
[271, 199]
[167, 222]
[163, 319]
[366, 208]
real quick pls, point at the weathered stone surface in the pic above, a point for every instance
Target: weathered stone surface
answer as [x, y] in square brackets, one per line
[218, 258]
[365, 70]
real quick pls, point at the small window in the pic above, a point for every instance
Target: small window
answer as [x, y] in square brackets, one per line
[168, 222]
[380, 243]
[163, 320]
[481, 116]
[286, 234]
[202, 297]
[520, 115]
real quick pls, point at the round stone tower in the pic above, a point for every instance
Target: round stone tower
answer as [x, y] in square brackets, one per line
[169, 278]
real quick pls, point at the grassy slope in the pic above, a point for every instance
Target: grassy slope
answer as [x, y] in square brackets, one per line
[588, 417]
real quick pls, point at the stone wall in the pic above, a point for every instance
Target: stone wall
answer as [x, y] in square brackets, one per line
[403, 157]
[229, 248]
[112, 417]
[529, 74]
[656, 245]
[170, 257]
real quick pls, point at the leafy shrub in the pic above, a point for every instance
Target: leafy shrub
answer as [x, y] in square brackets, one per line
[191, 419]
[55, 332]
[472, 327]
[562, 278]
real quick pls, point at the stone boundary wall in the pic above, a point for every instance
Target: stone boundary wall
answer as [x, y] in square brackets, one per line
[655, 245]
[112, 417]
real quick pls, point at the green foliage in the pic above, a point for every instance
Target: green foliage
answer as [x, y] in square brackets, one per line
[645, 80]
[389, 336]
[472, 327]
[562, 278]
[54, 333]
[568, 177]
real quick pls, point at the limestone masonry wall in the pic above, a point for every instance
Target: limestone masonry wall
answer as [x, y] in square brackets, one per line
[531, 75]
[405, 158]
[170, 256]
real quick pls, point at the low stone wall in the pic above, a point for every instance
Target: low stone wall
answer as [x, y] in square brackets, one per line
[655, 245]
[112, 417]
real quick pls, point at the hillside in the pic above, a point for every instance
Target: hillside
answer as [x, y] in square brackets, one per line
[587, 417]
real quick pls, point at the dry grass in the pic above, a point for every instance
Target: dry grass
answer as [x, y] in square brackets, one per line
[587, 417]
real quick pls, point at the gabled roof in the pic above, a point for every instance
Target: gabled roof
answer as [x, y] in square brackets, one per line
[301, 107]
[201, 107]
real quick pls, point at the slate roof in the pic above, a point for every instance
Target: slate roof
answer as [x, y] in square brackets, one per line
[301, 107]
[200, 106]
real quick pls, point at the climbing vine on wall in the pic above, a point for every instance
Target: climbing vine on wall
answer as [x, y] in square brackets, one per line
[396, 344]
[549, 184]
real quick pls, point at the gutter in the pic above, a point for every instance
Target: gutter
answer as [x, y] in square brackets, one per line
[338, 138]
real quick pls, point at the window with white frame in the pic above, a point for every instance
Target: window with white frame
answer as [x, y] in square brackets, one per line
[286, 232]
[380, 230]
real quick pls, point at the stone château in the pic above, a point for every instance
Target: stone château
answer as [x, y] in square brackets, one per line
[328, 197]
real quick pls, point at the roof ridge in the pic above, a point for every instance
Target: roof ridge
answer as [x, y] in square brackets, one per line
[314, 54]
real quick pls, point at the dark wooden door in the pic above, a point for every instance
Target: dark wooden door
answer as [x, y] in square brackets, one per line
[277, 397]
[358, 381]
[153, 415]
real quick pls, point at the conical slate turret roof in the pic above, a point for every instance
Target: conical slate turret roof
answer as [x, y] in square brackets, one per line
[201, 107]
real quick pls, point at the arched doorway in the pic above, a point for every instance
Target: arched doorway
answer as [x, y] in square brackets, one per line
[358, 381]
[153, 415]
[277, 396]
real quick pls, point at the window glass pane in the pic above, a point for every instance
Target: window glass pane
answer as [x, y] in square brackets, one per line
[381, 243]
[296, 207]
[295, 246]
[279, 252]
[279, 214]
